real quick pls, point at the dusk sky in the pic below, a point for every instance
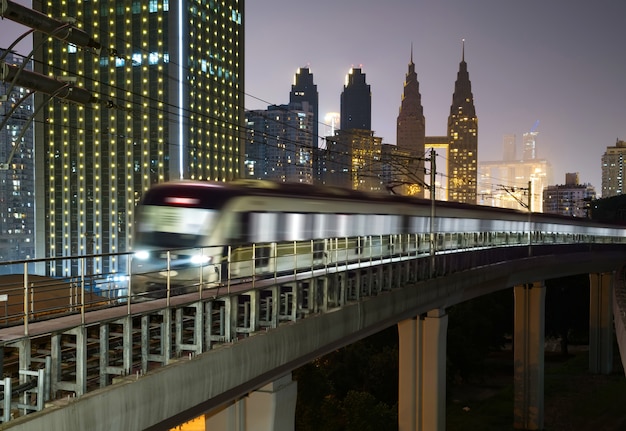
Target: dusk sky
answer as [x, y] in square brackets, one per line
[561, 62]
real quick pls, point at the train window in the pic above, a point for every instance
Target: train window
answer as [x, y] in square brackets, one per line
[174, 226]
[238, 228]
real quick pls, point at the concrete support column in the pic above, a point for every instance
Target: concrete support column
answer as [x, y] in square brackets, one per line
[271, 408]
[422, 372]
[528, 356]
[601, 323]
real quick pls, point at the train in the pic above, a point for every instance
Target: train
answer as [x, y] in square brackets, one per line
[193, 234]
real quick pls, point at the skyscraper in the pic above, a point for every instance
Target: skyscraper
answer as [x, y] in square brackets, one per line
[509, 148]
[17, 186]
[529, 142]
[411, 132]
[280, 143]
[304, 90]
[463, 135]
[356, 102]
[170, 81]
[613, 167]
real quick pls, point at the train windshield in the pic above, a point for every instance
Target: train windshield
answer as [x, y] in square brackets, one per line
[173, 226]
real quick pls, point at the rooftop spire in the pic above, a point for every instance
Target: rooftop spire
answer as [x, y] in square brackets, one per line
[463, 49]
[411, 52]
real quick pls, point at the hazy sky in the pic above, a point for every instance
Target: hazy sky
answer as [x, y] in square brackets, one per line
[562, 62]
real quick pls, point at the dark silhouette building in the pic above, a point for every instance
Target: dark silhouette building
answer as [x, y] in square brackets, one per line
[304, 90]
[411, 132]
[463, 135]
[356, 102]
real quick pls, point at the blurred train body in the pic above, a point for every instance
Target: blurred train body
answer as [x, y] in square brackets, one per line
[197, 234]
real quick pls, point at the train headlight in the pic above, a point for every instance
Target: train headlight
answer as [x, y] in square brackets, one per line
[142, 255]
[201, 259]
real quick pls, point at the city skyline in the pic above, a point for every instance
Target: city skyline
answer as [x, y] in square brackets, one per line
[558, 63]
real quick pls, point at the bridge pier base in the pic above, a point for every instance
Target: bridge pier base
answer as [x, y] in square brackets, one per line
[422, 372]
[601, 323]
[271, 408]
[528, 356]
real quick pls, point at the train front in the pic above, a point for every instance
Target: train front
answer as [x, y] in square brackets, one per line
[172, 250]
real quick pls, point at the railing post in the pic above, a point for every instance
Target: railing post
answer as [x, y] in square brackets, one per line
[201, 278]
[130, 283]
[168, 281]
[228, 263]
[6, 413]
[253, 263]
[82, 290]
[25, 301]
[295, 258]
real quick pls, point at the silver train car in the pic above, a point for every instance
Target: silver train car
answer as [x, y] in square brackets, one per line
[198, 234]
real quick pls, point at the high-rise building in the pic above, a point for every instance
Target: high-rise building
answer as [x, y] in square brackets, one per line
[571, 198]
[463, 135]
[305, 90]
[411, 132]
[529, 142]
[509, 148]
[280, 143]
[17, 169]
[356, 102]
[507, 184]
[366, 163]
[613, 166]
[171, 83]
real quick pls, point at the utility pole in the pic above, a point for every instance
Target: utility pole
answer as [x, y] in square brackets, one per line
[432, 210]
[62, 87]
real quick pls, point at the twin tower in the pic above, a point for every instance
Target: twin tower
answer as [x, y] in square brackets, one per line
[406, 161]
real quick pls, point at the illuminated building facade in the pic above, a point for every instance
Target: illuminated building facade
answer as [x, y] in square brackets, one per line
[280, 143]
[463, 135]
[410, 135]
[530, 145]
[571, 198]
[505, 184]
[366, 163]
[613, 165]
[17, 185]
[170, 84]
